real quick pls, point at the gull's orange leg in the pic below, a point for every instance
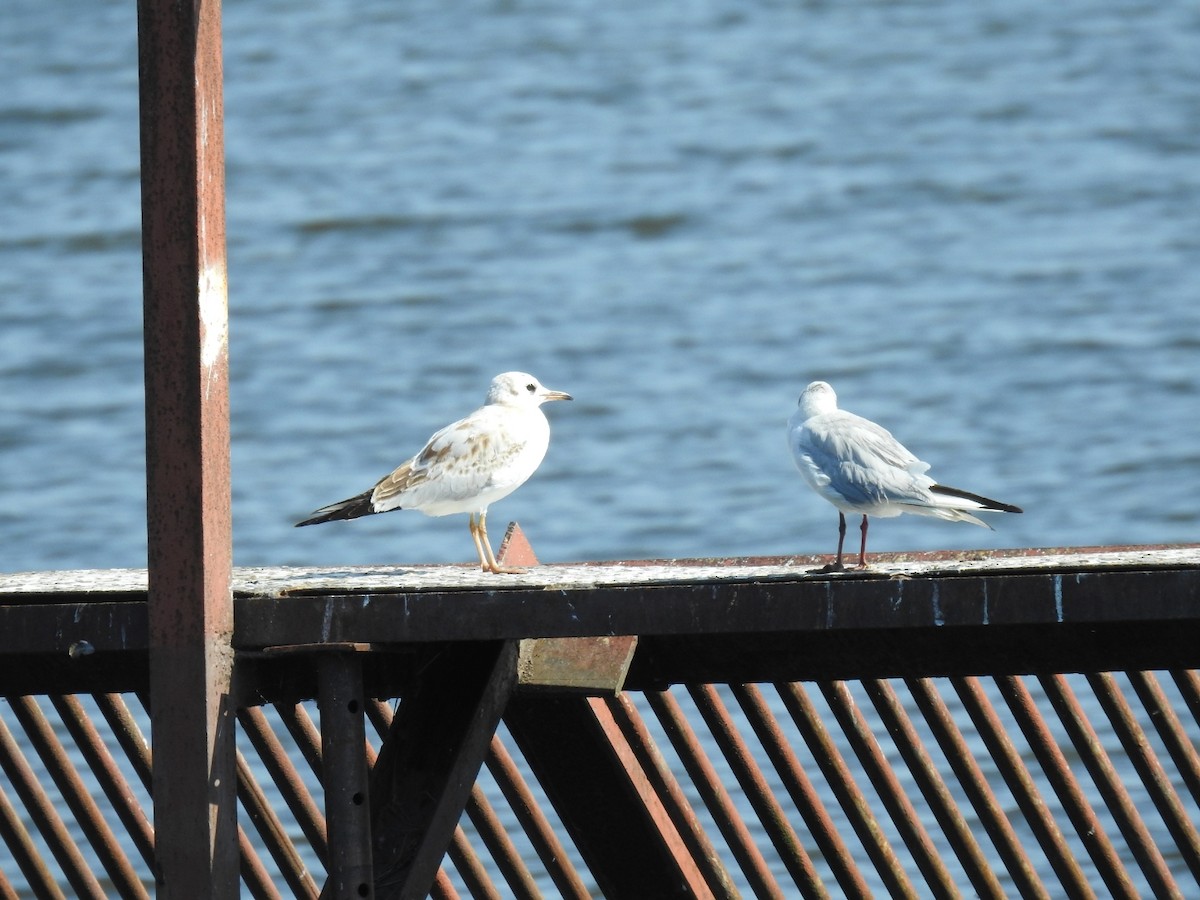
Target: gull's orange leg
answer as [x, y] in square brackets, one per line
[491, 565]
[483, 558]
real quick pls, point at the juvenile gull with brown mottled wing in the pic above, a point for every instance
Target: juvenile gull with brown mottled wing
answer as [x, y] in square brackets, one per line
[468, 465]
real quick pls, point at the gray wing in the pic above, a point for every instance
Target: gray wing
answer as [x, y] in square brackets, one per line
[861, 461]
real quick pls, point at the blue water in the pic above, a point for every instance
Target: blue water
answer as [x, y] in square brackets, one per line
[980, 222]
[982, 225]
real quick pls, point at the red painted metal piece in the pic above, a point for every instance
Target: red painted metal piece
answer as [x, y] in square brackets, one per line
[515, 549]
[670, 793]
[187, 446]
[593, 777]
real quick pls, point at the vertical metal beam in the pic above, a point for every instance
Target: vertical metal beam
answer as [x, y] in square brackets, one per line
[187, 446]
[347, 803]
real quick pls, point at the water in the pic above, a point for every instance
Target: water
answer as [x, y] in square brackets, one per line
[980, 223]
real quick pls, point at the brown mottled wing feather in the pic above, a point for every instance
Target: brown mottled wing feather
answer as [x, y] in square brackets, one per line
[461, 458]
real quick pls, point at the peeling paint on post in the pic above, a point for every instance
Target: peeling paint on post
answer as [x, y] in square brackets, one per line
[187, 446]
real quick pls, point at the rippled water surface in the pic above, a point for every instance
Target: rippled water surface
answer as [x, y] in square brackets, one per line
[981, 224]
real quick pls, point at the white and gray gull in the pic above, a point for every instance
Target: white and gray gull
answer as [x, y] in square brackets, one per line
[860, 468]
[468, 465]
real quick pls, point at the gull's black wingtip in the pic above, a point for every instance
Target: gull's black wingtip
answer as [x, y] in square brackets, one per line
[986, 502]
[352, 508]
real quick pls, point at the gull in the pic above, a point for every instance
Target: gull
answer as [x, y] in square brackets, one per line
[860, 468]
[468, 465]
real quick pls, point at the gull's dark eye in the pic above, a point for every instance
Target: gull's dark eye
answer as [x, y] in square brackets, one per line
[532, 388]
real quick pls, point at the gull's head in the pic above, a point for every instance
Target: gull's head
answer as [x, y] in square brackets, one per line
[817, 398]
[521, 389]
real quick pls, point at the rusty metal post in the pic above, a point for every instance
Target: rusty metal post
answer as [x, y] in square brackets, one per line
[187, 446]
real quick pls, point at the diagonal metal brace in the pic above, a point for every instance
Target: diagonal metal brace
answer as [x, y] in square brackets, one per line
[430, 759]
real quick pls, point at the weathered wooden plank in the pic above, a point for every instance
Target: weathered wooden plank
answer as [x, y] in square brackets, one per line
[266, 583]
[430, 759]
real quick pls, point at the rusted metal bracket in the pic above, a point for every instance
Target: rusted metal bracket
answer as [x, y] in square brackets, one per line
[589, 665]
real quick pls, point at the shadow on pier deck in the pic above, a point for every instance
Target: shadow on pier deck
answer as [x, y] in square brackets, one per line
[697, 728]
